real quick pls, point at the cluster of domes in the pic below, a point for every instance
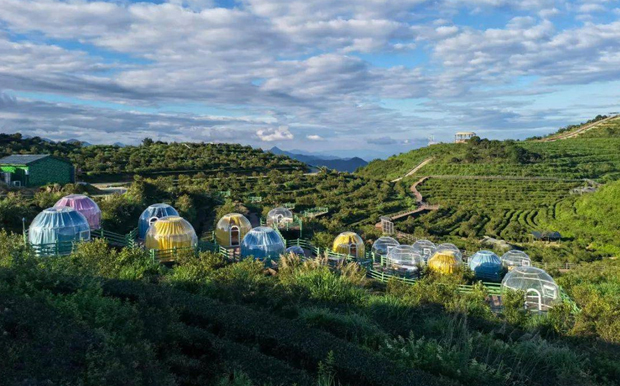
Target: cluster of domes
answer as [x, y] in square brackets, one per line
[73, 217]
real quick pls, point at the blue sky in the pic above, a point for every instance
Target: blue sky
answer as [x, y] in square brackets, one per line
[368, 77]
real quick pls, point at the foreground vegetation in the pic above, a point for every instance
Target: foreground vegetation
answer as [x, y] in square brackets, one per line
[115, 317]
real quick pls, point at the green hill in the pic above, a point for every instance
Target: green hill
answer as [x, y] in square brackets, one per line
[573, 131]
[605, 129]
[509, 189]
[594, 154]
[107, 162]
[575, 158]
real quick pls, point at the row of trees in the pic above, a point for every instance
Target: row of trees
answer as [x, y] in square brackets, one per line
[151, 157]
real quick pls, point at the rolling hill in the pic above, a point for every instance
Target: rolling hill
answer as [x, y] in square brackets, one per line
[510, 189]
[594, 154]
[112, 162]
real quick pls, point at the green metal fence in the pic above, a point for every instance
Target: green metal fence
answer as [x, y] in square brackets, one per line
[116, 239]
[296, 224]
[58, 248]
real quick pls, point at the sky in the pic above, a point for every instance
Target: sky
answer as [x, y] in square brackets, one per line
[365, 78]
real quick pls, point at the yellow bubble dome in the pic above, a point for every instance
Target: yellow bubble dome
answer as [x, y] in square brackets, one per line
[443, 262]
[349, 243]
[231, 229]
[170, 232]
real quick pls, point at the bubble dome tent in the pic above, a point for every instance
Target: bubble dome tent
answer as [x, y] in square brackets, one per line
[425, 248]
[231, 229]
[263, 243]
[349, 243]
[296, 250]
[515, 258]
[85, 205]
[279, 216]
[443, 262]
[169, 233]
[450, 247]
[152, 214]
[541, 291]
[405, 257]
[54, 231]
[382, 245]
[486, 265]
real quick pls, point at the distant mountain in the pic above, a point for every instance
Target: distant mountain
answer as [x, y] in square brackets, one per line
[74, 141]
[119, 144]
[340, 164]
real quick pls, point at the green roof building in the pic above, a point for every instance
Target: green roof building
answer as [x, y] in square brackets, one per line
[35, 170]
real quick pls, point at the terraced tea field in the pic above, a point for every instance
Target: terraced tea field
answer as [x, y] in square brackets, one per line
[509, 209]
[494, 193]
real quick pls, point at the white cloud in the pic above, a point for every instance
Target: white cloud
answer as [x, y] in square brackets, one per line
[315, 137]
[270, 135]
[382, 141]
[320, 67]
[591, 7]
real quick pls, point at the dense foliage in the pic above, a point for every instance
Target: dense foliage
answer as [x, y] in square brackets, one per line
[95, 163]
[592, 218]
[114, 317]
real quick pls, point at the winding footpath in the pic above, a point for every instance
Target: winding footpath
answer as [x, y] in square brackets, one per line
[421, 206]
[415, 170]
[579, 131]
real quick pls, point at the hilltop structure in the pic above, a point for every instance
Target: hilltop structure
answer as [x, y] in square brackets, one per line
[463, 136]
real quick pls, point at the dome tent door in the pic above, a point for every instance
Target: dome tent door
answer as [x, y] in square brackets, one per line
[234, 236]
[353, 249]
[533, 299]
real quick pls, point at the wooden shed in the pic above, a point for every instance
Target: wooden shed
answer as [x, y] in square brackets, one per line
[35, 170]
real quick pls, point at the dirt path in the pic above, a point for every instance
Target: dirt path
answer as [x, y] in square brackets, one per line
[415, 170]
[579, 131]
[108, 188]
[414, 189]
[421, 206]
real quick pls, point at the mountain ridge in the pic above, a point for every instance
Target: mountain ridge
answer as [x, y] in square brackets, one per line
[340, 164]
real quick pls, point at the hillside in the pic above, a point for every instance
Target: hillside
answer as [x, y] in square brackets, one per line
[339, 164]
[582, 157]
[607, 129]
[104, 316]
[108, 162]
[509, 189]
[594, 219]
[595, 127]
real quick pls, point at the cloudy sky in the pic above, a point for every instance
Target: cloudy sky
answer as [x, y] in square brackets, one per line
[363, 77]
